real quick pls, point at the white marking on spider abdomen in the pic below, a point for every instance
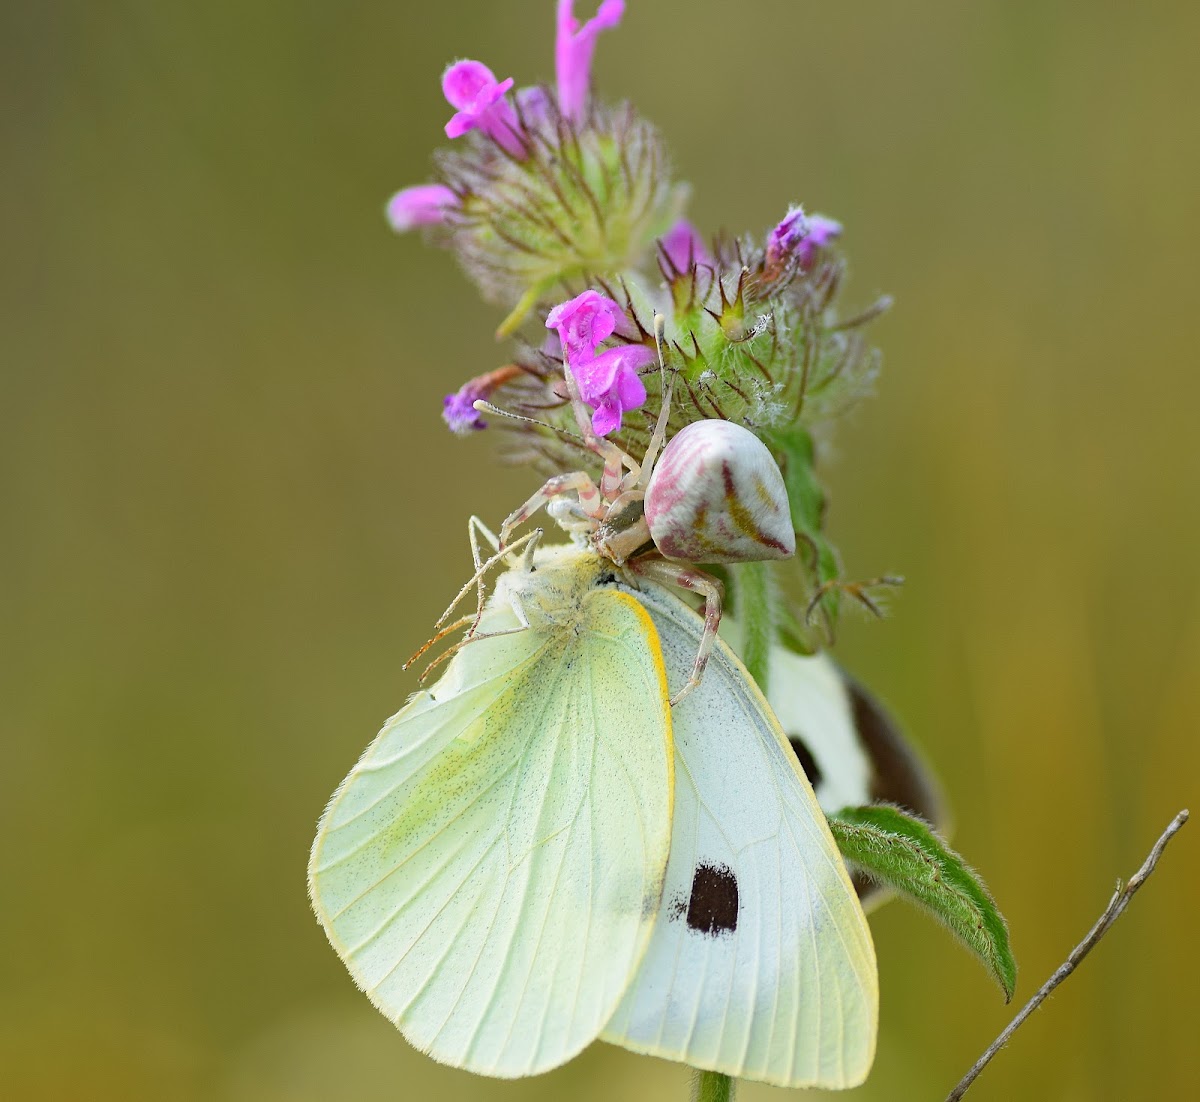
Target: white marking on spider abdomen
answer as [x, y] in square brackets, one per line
[717, 496]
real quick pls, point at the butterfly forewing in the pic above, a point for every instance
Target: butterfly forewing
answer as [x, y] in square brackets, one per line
[491, 868]
[761, 963]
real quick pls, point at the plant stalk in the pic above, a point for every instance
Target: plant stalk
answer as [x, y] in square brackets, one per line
[712, 1086]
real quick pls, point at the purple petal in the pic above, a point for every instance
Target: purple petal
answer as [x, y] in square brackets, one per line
[584, 323]
[423, 205]
[535, 105]
[610, 384]
[459, 412]
[684, 246]
[458, 409]
[787, 235]
[471, 87]
[461, 122]
[631, 391]
[606, 419]
[798, 237]
[464, 82]
[573, 50]
[821, 231]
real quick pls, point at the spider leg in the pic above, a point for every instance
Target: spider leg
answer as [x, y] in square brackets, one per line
[475, 529]
[580, 482]
[696, 581]
[641, 478]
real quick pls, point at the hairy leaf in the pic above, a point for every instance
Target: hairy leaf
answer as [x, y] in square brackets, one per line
[902, 852]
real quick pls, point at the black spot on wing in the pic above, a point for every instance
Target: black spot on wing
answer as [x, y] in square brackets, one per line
[712, 908]
[807, 762]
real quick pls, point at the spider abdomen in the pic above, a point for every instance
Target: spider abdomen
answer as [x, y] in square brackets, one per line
[716, 496]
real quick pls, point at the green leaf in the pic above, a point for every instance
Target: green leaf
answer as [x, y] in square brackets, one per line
[902, 852]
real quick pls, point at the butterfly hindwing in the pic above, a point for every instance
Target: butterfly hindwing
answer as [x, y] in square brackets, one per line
[490, 869]
[761, 964]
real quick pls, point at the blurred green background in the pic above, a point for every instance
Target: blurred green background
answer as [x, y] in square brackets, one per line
[230, 508]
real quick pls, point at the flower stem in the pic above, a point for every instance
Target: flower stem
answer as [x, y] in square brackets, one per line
[754, 609]
[712, 1086]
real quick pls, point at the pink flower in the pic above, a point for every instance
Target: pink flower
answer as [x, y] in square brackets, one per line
[821, 231]
[610, 385]
[573, 50]
[471, 87]
[458, 409]
[798, 237]
[608, 382]
[534, 105]
[785, 238]
[459, 412]
[684, 246]
[423, 205]
[583, 324]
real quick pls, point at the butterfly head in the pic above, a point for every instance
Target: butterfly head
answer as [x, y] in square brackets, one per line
[551, 591]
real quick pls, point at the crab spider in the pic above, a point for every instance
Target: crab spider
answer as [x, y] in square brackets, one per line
[714, 496]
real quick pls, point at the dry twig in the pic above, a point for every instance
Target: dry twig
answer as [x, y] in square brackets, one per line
[1114, 910]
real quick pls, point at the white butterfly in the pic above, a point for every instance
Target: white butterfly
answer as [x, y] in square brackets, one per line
[547, 847]
[540, 851]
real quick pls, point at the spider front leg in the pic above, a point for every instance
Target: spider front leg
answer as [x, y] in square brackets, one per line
[590, 500]
[710, 588]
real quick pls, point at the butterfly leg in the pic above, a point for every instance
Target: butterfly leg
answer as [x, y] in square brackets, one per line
[579, 481]
[696, 581]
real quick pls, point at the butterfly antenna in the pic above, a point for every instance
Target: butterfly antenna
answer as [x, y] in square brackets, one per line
[666, 385]
[449, 652]
[529, 540]
[484, 567]
[460, 623]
